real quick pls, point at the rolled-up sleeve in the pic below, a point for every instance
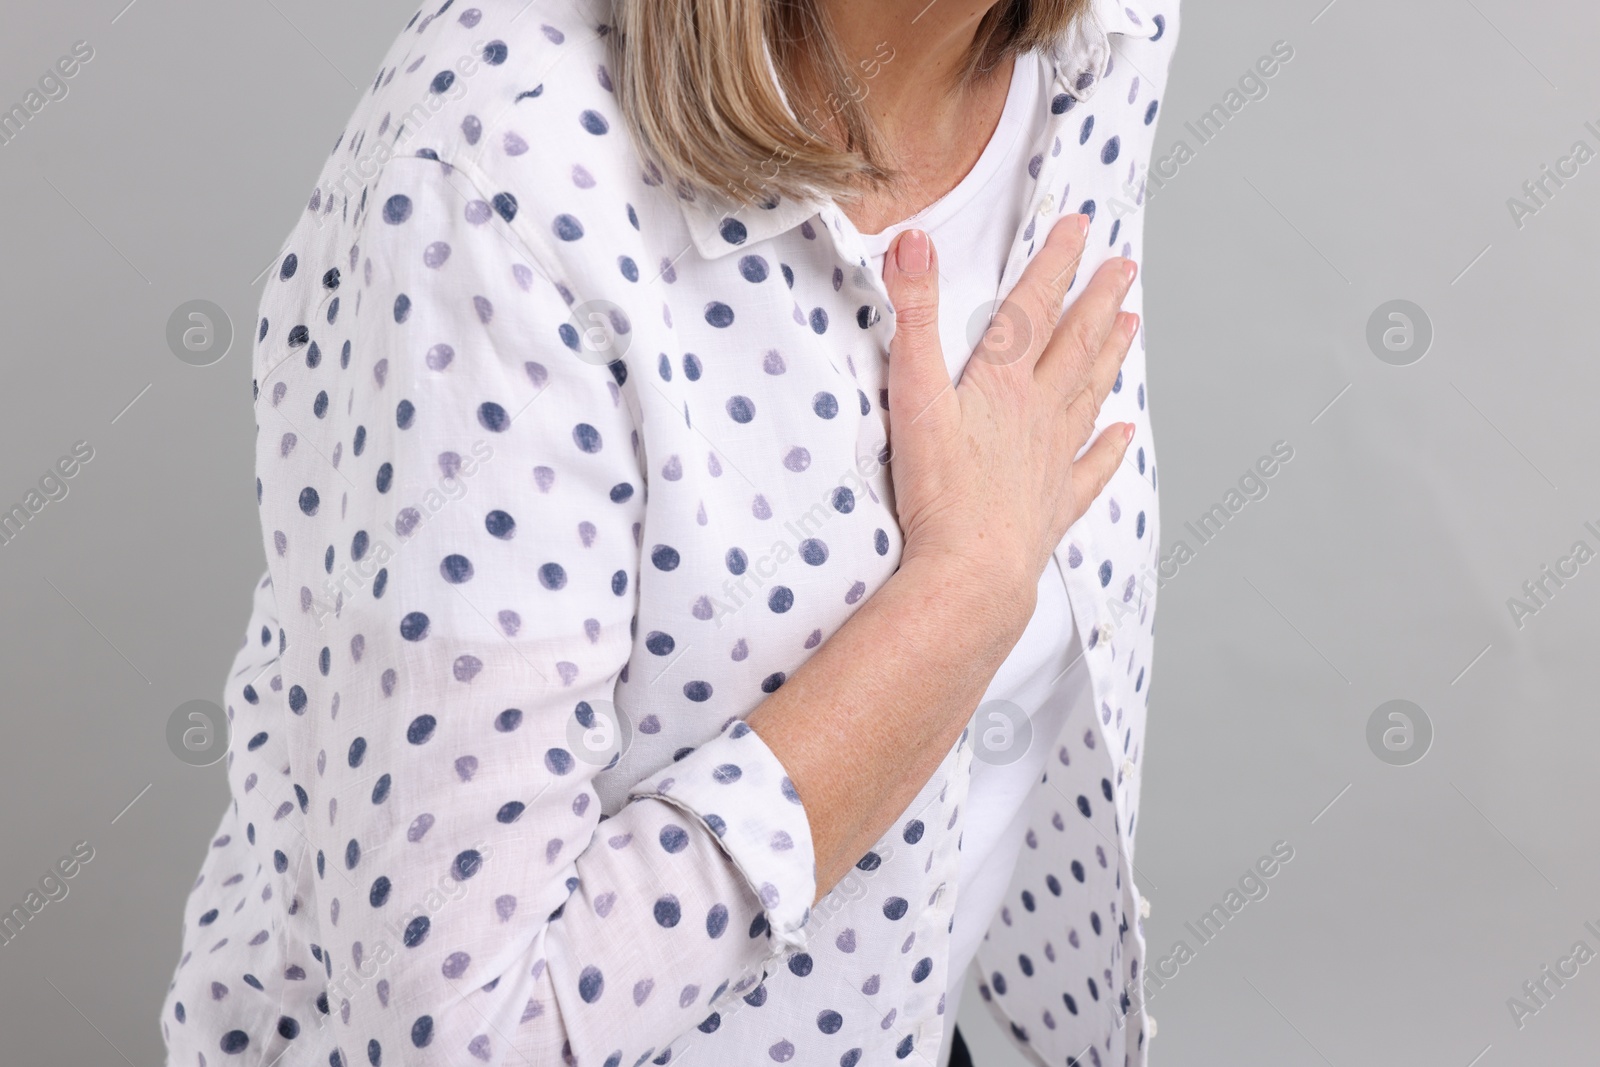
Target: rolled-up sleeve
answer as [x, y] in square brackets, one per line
[455, 551]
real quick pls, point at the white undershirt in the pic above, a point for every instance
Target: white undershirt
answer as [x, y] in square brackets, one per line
[973, 227]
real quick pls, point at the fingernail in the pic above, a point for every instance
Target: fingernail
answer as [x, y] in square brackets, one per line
[1127, 432]
[1083, 223]
[911, 252]
[1130, 268]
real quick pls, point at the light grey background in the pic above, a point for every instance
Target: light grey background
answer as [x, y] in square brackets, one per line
[1378, 566]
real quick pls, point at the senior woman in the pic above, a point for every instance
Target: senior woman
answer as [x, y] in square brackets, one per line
[706, 610]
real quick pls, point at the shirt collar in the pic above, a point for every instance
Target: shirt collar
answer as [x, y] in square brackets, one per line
[718, 229]
[1082, 55]
[1080, 59]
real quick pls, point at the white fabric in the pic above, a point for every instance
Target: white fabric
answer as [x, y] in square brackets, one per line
[550, 455]
[1043, 677]
[1049, 681]
[972, 227]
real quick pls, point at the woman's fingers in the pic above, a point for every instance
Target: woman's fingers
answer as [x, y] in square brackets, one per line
[1035, 385]
[1021, 327]
[1083, 332]
[1084, 409]
[917, 371]
[1091, 471]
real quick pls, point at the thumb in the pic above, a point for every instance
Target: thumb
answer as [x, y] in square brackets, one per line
[917, 372]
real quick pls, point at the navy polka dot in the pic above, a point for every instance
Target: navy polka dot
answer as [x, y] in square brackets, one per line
[584, 486]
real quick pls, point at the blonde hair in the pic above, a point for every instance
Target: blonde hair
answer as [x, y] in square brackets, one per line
[707, 107]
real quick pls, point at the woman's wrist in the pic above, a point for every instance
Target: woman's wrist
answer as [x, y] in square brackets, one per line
[995, 599]
[863, 724]
[986, 605]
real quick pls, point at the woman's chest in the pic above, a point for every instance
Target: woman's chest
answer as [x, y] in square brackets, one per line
[760, 401]
[758, 382]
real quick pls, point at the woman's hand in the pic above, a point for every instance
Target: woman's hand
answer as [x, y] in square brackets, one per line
[984, 472]
[986, 486]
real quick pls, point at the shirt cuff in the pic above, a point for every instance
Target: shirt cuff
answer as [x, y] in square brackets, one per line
[737, 787]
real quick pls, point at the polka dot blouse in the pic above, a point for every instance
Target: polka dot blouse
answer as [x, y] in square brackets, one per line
[561, 473]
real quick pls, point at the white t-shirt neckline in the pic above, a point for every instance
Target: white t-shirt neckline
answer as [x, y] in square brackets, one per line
[1045, 676]
[1015, 118]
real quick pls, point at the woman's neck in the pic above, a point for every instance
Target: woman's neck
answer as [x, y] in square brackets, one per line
[933, 125]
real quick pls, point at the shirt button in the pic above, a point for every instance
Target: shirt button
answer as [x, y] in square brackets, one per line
[1105, 632]
[1127, 768]
[1048, 204]
[1150, 1025]
[1144, 907]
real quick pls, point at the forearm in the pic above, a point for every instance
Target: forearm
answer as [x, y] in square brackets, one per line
[863, 724]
